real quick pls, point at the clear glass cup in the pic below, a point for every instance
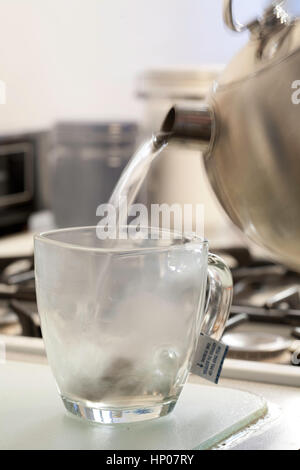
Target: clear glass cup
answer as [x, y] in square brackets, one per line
[121, 320]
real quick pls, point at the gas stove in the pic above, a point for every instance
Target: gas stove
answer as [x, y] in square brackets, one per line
[18, 309]
[263, 327]
[265, 316]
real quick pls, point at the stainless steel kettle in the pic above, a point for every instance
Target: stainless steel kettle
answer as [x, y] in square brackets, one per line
[249, 133]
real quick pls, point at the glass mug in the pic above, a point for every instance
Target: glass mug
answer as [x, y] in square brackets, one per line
[121, 320]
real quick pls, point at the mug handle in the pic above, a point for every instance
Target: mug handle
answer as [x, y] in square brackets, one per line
[219, 297]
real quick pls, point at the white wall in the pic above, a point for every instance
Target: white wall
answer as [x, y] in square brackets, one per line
[79, 59]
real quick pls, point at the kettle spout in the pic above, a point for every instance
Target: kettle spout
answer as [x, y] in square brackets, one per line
[189, 125]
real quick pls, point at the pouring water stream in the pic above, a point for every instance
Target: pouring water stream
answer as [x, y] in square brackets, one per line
[134, 175]
[128, 187]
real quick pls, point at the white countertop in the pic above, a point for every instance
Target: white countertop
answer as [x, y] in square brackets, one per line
[282, 435]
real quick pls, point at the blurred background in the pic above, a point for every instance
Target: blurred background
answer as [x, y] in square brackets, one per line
[75, 59]
[86, 82]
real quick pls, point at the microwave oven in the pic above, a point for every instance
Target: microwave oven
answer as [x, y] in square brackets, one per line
[19, 168]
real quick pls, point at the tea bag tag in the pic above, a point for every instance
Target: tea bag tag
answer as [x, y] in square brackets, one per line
[209, 358]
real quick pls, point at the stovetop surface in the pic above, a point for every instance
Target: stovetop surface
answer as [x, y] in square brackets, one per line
[266, 304]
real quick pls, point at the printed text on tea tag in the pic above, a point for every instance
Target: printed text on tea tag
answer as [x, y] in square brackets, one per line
[209, 358]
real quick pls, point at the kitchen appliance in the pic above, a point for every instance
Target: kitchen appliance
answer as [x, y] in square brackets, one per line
[85, 162]
[126, 317]
[20, 166]
[248, 132]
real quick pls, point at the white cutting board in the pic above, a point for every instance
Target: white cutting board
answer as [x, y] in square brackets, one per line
[32, 416]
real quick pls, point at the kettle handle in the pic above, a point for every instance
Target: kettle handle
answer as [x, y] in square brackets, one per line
[229, 20]
[276, 8]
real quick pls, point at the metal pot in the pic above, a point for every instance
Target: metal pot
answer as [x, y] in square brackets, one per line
[250, 136]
